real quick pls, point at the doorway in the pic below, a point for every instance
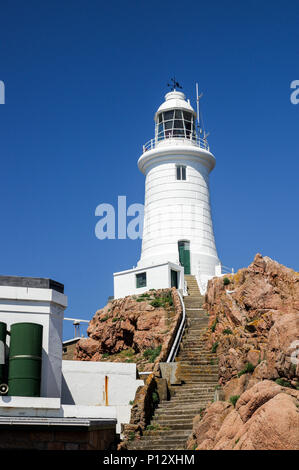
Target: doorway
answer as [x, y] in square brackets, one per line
[184, 255]
[174, 279]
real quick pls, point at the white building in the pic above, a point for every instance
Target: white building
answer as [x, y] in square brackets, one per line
[178, 235]
[82, 393]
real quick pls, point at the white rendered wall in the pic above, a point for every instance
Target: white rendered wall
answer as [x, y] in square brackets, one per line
[44, 307]
[157, 277]
[84, 385]
[178, 210]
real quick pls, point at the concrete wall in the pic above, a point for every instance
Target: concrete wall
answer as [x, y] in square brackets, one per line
[45, 307]
[100, 384]
[84, 383]
[157, 276]
[50, 439]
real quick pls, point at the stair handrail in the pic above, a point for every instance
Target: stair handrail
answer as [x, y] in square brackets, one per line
[178, 337]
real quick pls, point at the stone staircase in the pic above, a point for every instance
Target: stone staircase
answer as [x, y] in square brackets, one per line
[193, 290]
[172, 422]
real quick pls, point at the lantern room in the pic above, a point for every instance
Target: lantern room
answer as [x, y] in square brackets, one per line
[175, 118]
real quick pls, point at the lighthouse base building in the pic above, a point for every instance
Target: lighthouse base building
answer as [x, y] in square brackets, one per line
[178, 237]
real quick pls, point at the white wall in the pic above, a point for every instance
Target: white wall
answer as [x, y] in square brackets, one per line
[44, 307]
[177, 210]
[157, 277]
[84, 383]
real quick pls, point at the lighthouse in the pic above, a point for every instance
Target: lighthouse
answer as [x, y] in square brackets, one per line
[178, 237]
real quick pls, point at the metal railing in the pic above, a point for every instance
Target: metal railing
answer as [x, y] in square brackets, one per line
[176, 140]
[227, 270]
[175, 346]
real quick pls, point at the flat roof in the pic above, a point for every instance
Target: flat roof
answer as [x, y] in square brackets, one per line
[72, 340]
[59, 423]
[36, 282]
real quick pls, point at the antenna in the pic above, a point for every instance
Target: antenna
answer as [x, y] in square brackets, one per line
[200, 125]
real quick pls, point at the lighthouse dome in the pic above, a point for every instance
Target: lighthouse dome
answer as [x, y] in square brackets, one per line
[175, 100]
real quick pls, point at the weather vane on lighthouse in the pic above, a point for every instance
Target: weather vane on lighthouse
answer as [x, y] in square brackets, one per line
[174, 84]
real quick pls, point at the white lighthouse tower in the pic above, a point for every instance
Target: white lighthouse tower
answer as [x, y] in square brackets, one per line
[178, 237]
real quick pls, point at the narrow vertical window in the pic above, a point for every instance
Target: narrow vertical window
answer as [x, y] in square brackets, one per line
[181, 172]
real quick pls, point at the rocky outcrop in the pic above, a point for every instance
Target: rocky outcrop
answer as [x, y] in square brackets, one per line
[141, 412]
[254, 327]
[136, 329]
[265, 417]
[254, 319]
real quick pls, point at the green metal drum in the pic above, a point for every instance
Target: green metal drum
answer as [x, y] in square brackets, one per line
[24, 374]
[3, 331]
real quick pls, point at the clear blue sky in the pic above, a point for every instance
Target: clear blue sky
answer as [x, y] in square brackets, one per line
[83, 81]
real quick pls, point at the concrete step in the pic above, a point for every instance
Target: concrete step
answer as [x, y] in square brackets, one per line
[169, 421]
[162, 446]
[189, 413]
[159, 441]
[167, 434]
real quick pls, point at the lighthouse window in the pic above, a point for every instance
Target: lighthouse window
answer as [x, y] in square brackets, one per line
[175, 123]
[181, 172]
[141, 280]
[168, 115]
[187, 116]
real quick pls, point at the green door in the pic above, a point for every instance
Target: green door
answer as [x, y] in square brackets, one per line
[184, 255]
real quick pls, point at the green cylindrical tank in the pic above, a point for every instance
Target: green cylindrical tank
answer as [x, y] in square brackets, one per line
[3, 332]
[24, 373]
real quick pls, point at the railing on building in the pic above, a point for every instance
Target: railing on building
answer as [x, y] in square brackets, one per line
[175, 346]
[227, 270]
[176, 140]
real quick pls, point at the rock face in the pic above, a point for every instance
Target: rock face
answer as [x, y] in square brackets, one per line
[126, 328]
[254, 318]
[266, 417]
[254, 326]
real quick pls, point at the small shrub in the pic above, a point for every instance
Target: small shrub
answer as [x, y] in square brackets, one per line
[105, 355]
[155, 398]
[227, 331]
[226, 281]
[215, 346]
[283, 383]
[248, 369]
[115, 319]
[233, 399]
[155, 303]
[213, 327]
[152, 427]
[152, 354]
[104, 319]
[131, 402]
[131, 436]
